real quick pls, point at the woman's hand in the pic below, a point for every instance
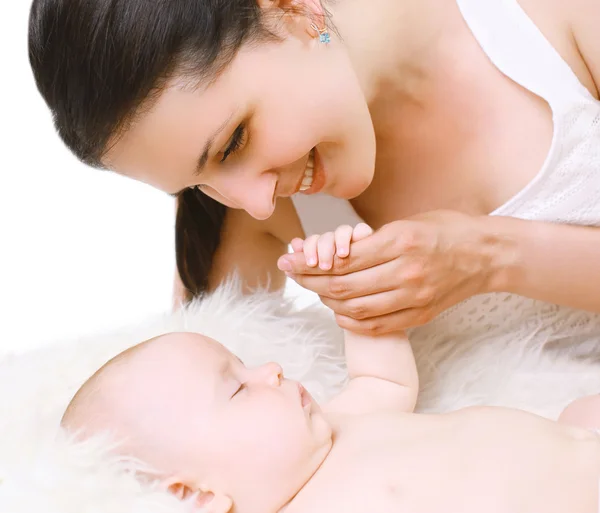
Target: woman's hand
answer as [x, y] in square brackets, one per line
[404, 274]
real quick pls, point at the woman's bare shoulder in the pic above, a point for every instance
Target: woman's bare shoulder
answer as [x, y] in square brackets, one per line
[571, 28]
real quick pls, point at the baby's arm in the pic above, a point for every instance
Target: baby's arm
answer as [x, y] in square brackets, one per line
[382, 372]
[583, 412]
[381, 368]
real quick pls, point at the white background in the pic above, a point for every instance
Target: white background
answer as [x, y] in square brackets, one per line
[81, 250]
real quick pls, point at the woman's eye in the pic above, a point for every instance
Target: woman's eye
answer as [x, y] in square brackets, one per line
[235, 143]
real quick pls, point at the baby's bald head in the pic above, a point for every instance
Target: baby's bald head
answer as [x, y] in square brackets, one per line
[192, 411]
[130, 396]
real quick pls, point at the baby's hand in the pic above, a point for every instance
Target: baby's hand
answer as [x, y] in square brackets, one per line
[320, 249]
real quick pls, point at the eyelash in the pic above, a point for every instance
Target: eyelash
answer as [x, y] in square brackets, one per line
[237, 140]
[238, 390]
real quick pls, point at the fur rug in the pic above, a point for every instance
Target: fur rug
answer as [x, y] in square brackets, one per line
[41, 470]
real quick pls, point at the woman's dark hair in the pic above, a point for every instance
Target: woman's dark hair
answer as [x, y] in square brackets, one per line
[100, 63]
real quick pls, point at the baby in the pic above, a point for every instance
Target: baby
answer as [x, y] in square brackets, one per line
[249, 440]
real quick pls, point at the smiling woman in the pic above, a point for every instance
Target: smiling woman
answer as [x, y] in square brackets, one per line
[483, 192]
[201, 109]
[240, 132]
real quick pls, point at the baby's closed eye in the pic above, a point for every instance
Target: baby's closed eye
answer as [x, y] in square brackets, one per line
[239, 388]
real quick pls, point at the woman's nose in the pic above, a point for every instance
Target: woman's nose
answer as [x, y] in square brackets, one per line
[254, 193]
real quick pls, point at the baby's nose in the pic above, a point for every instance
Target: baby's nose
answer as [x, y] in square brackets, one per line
[272, 373]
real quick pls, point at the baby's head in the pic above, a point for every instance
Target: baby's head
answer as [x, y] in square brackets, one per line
[189, 408]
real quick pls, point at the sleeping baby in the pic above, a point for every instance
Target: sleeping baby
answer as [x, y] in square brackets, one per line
[248, 440]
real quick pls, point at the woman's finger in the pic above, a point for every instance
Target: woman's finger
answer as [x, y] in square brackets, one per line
[395, 321]
[381, 278]
[373, 305]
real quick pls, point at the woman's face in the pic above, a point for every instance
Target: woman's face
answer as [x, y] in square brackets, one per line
[247, 138]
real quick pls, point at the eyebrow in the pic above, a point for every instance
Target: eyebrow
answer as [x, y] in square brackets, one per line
[207, 147]
[224, 367]
[203, 159]
[226, 364]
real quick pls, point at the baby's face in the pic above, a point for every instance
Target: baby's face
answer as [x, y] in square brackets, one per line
[248, 433]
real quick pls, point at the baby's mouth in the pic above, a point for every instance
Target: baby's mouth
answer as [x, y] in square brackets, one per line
[305, 398]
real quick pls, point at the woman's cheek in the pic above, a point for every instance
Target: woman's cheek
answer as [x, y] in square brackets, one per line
[214, 194]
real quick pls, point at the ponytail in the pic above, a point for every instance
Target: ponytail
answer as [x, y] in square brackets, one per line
[198, 228]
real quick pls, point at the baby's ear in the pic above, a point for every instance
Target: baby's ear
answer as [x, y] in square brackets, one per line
[177, 487]
[215, 502]
[202, 496]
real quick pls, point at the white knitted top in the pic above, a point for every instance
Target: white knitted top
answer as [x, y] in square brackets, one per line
[566, 190]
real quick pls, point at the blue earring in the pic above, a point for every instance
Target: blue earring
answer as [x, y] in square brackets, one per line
[324, 36]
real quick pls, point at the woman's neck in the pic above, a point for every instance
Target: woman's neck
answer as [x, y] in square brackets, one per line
[389, 42]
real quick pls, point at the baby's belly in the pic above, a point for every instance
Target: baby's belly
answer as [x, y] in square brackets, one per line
[477, 463]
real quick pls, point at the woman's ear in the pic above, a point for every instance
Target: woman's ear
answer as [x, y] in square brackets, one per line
[202, 496]
[308, 14]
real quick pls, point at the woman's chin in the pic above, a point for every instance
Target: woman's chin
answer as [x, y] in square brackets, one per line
[350, 186]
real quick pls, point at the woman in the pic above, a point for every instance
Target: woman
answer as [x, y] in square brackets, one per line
[484, 189]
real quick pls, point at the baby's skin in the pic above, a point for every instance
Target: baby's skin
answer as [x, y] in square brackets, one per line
[248, 440]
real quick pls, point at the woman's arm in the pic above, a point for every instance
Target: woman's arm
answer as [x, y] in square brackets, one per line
[410, 271]
[553, 262]
[556, 263]
[584, 20]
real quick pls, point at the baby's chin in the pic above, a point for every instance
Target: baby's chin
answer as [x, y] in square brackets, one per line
[321, 427]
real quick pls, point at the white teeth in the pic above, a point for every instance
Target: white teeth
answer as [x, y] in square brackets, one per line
[308, 172]
[307, 179]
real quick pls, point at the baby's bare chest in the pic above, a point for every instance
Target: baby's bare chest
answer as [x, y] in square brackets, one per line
[434, 469]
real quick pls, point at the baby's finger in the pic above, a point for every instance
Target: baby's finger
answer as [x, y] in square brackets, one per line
[343, 236]
[361, 231]
[297, 244]
[310, 250]
[326, 250]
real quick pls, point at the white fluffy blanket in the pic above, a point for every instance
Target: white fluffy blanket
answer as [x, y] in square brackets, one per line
[42, 471]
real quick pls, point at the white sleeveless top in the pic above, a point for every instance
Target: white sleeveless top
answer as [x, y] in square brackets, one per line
[566, 190]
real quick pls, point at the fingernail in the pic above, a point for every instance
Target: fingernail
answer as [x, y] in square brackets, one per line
[284, 265]
[311, 261]
[342, 252]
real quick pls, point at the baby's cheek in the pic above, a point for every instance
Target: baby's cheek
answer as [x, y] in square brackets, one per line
[281, 428]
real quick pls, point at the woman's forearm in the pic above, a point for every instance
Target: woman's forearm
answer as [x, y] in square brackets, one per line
[556, 263]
